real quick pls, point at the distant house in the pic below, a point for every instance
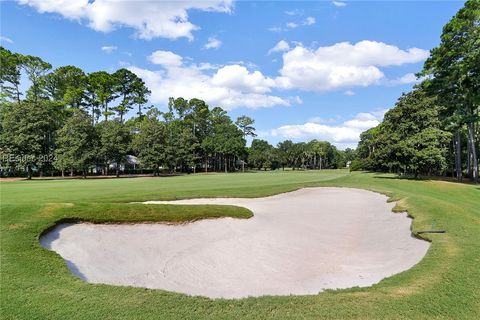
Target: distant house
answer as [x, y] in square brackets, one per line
[131, 162]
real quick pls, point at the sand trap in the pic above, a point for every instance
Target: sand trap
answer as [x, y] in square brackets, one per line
[299, 242]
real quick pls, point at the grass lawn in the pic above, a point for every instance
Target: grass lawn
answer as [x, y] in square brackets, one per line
[36, 284]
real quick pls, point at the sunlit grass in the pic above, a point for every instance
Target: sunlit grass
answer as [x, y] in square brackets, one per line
[36, 284]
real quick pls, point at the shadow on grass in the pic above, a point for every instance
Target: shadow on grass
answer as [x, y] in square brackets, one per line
[99, 177]
[404, 178]
[426, 179]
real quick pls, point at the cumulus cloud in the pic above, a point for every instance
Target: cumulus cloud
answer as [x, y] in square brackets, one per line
[281, 46]
[213, 43]
[276, 29]
[229, 86]
[323, 120]
[342, 65]
[165, 58]
[237, 84]
[339, 3]
[6, 39]
[108, 49]
[291, 25]
[346, 134]
[150, 19]
[409, 78]
[349, 93]
[309, 21]
[296, 12]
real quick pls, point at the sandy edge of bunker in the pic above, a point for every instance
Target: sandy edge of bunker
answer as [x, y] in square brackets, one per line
[285, 248]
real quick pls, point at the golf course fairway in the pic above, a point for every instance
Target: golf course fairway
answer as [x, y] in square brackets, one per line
[36, 283]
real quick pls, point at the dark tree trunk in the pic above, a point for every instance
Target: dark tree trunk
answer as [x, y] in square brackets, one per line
[453, 154]
[471, 138]
[29, 172]
[18, 93]
[469, 157]
[458, 156]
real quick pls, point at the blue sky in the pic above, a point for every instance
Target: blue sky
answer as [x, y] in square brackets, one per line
[302, 70]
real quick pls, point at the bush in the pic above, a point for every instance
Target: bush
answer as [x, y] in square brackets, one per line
[357, 165]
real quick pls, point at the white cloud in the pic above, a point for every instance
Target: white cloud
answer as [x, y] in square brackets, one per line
[291, 25]
[165, 58]
[408, 78]
[346, 134]
[323, 120]
[213, 43]
[150, 19]
[342, 65]
[339, 3]
[276, 29]
[309, 21]
[239, 78]
[108, 49]
[362, 121]
[229, 86]
[6, 39]
[248, 64]
[281, 46]
[349, 93]
[296, 12]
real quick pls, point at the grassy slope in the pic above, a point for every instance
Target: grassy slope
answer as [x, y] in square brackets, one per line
[35, 283]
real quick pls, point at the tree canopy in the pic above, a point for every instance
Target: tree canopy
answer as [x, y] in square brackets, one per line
[434, 129]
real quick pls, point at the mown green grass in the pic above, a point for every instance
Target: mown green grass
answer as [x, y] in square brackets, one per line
[36, 284]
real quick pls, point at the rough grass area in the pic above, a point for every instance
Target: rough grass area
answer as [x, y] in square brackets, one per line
[36, 284]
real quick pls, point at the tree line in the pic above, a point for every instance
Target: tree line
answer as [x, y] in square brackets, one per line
[71, 122]
[434, 129]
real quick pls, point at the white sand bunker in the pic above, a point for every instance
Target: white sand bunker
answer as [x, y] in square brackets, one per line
[297, 243]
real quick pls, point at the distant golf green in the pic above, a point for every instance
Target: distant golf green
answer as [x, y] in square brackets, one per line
[36, 284]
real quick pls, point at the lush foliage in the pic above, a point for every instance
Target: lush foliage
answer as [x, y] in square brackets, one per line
[312, 155]
[435, 128]
[74, 122]
[410, 139]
